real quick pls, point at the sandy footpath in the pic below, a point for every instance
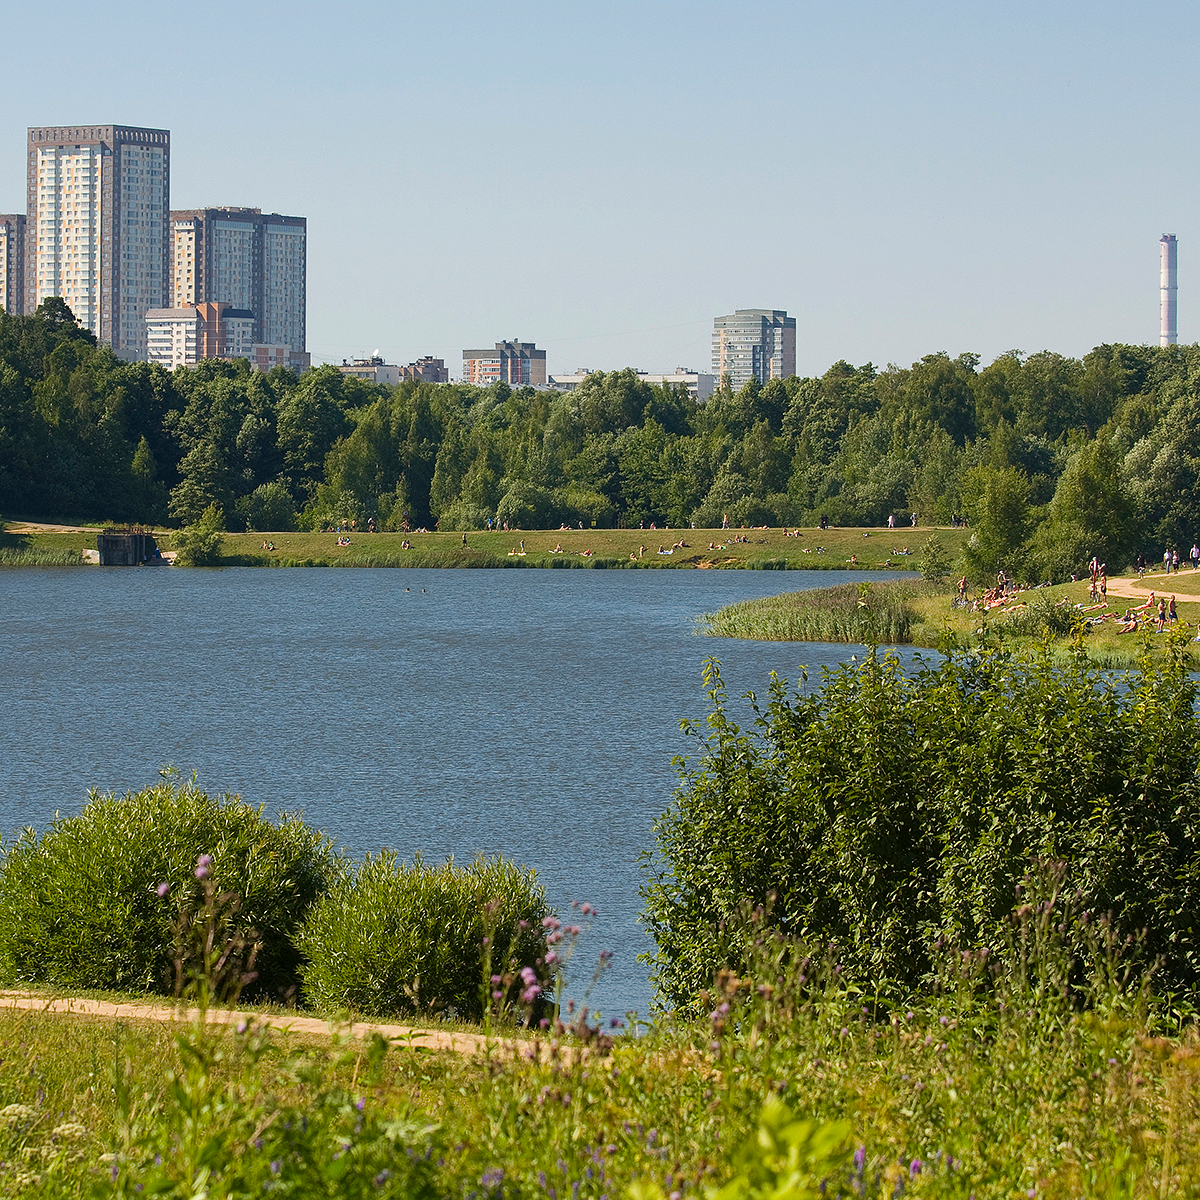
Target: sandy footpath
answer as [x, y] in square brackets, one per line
[38, 527]
[422, 1039]
[1132, 588]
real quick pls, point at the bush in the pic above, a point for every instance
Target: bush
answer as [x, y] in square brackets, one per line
[934, 562]
[463, 516]
[80, 907]
[526, 506]
[400, 938]
[269, 508]
[199, 545]
[889, 814]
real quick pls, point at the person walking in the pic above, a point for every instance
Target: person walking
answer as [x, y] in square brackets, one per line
[1167, 560]
[1195, 556]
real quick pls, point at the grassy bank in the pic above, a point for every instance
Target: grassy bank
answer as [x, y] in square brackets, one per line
[913, 612]
[763, 549]
[1016, 1094]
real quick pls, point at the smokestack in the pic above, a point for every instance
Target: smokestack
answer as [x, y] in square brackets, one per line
[1168, 333]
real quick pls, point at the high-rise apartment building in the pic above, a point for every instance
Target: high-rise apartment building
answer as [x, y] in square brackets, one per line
[12, 263]
[97, 227]
[514, 362]
[246, 258]
[754, 343]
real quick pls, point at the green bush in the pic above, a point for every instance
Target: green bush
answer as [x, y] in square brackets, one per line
[398, 938]
[199, 545]
[80, 905]
[269, 508]
[889, 813]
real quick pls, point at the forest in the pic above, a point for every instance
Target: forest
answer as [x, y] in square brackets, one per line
[1050, 459]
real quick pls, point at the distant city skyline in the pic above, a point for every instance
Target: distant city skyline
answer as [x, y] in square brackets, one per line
[939, 177]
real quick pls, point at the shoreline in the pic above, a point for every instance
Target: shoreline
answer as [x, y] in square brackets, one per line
[855, 549]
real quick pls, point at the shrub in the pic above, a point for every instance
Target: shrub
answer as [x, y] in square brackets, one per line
[199, 545]
[526, 506]
[934, 562]
[463, 515]
[80, 905]
[888, 813]
[269, 508]
[398, 938]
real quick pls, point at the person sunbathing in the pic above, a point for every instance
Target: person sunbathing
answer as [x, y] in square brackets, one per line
[1128, 623]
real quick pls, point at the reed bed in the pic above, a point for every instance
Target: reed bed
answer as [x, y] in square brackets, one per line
[874, 613]
[38, 556]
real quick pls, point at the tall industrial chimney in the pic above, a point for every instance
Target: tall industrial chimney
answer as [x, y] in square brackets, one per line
[1168, 333]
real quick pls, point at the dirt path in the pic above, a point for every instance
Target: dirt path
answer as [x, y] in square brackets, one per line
[424, 1039]
[1140, 589]
[38, 527]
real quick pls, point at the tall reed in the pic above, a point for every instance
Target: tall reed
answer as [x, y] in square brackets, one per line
[866, 613]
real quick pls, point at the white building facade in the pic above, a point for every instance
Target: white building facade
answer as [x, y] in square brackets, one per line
[699, 385]
[97, 227]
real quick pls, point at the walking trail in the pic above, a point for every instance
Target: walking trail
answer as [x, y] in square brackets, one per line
[1132, 588]
[407, 1035]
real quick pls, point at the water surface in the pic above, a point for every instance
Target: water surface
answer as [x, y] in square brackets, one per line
[528, 713]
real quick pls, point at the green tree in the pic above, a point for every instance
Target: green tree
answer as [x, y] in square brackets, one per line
[1091, 515]
[269, 508]
[199, 544]
[998, 505]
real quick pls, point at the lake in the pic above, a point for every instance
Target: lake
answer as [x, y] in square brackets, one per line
[528, 713]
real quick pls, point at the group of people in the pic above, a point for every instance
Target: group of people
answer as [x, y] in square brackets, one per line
[1160, 613]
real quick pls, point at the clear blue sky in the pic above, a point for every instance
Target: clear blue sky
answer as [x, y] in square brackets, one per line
[604, 178]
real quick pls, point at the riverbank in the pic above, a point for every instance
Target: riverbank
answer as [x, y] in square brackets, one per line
[917, 613]
[705, 549]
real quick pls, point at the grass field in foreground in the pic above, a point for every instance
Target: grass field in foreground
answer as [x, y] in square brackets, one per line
[959, 1095]
[813, 549]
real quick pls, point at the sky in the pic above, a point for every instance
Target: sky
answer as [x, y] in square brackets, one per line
[603, 178]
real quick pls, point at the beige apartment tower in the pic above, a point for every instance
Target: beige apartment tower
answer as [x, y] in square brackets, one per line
[96, 231]
[248, 259]
[516, 363]
[12, 263]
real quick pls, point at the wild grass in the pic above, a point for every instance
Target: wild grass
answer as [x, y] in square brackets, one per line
[875, 613]
[38, 556]
[1004, 1079]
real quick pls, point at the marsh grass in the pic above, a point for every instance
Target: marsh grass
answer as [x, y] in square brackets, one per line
[875, 613]
[39, 556]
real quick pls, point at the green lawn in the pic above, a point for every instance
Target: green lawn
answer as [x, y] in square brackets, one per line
[873, 549]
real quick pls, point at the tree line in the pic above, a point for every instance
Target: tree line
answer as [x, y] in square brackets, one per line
[1050, 458]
